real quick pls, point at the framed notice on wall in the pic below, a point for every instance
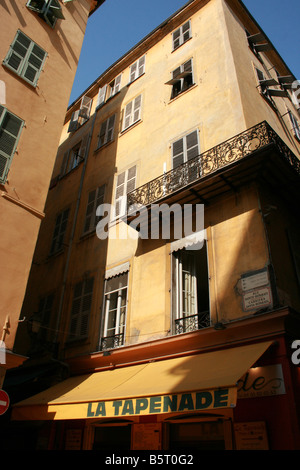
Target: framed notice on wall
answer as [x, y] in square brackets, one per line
[251, 436]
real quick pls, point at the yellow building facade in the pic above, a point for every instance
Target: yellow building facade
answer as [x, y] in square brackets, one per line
[195, 124]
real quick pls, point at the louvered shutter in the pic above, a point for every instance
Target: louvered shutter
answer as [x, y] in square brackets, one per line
[64, 164]
[192, 149]
[128, 115]
[133, 72]
[85, 107]
[59, 231]
[102, 134]
[117, 84]
[34, 64]
[95, 199]
[186, 31]
[74, 121]
[176, 38]
[131, 179]
[110, 128]
[81, 308]
[142, 62]
[18, 52]
[177, 153]
[10, 130]
[84, 147]
[101, 95]
[137, 108]
[295, 125]
[120, 193]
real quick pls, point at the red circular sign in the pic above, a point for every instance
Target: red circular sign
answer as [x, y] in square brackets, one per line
[4, 402]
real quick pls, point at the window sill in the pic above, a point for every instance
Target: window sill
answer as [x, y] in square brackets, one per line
[103, 146]
[130, 127]
[178, 47]
[129, 83]
[182, 93]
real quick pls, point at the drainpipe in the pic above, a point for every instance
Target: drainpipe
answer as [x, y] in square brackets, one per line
[73, 232]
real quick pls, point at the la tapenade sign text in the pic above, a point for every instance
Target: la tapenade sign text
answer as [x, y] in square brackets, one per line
[221, 398]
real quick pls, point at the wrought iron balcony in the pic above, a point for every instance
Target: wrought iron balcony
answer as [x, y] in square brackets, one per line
[224, 156]
[192, 323]
[111, 342]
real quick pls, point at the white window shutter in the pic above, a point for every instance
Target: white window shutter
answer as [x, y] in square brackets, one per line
[101, 95]
[142, 62]
[128, 115]
[133, 72]
[74, 121]
[85, 107]
[137, 108]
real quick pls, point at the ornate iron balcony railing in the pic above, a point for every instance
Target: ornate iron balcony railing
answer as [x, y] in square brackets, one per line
[224, 154]
[111, 342]
[192, 323]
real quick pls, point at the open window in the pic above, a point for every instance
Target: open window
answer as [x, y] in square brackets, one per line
[266, 83]
[126, 182]
[295, 125]
[190, 293]
[10, 130]
[115, 309]
[49, 10]
[74, 156]
[81, 115]
[114, 86]
[106, 131]
[182, 78]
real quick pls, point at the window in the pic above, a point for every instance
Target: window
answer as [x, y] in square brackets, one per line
[115, 85]
[295, 124]
[182, 78]
[25, 58]
[101, 96]
[10, 130]
[59, 231]
[81, 308]
[106, 131]
[264, 85]
[48, 10]
[81, 115]
[126, 182]
[137, 69]
[74, 156]
[181, 35]
[185, 149]
[132, 112]
[190, 290]
[95, 199]
[44, 313]
[115, 307]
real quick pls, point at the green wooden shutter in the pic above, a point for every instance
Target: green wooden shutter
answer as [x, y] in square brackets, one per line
[10, 130]
[25, 58]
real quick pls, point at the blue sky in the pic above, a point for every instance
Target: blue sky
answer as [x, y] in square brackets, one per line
[119, 24]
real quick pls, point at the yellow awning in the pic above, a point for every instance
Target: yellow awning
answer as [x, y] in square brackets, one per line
[191, 383]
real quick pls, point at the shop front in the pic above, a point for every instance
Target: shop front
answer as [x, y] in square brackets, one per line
[182, 403]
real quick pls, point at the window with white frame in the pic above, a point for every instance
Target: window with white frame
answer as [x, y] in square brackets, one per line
[182, 78]
[81, 309]
[10, 131]
[115, 85]
[132, 113]
[126, 182]
[74, 156]
[137, 69]
[181, 35]
[115, 308]
[59, 231]
[186, 148]
[295, 124]
[190, 296]
[106, 131]
[101, 96]
[25, 58]
[95, 199]
[81, 115]
[49, 10]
